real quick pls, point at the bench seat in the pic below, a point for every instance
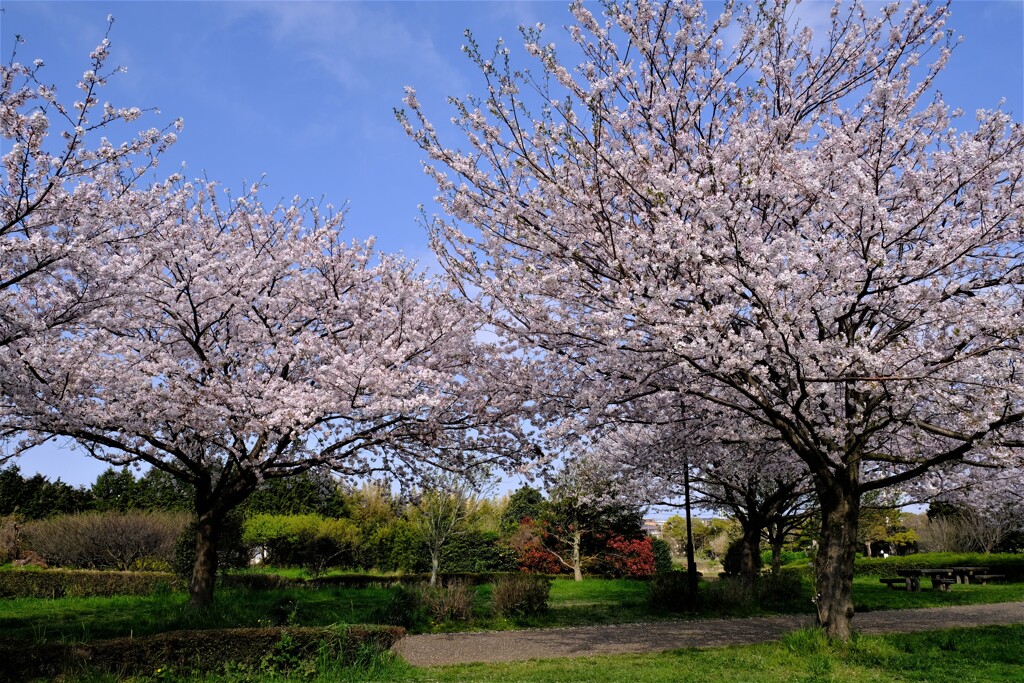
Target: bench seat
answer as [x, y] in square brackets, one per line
[942, 584]
[985, 578]
[894, 582]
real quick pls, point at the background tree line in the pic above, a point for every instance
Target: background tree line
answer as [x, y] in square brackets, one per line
[314, 522]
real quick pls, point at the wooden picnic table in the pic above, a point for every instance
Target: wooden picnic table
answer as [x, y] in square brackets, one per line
[965, 574]
[912, 577]
[942, 577]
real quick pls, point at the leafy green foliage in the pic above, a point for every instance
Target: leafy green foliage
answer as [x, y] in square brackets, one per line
[36, 497]
[309, 493]
[662, 555]
[1009, 564]
[525, 502]
[477, 551]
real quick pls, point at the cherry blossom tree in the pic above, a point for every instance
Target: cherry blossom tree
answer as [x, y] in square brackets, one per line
[729, 465]
[252, 343]
[793, 222]
[67, 193]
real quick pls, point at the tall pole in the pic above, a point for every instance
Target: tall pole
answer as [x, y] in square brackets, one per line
[691, 561]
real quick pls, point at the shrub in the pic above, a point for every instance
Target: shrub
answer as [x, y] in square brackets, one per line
[395, 546]
[662, 555]
[783, 592]
[733, 560]
[633, 557]
[729, 593]
[114, 540]
[184, 652]
[477, 551]
[1009, 564]
[451, 602]
[405, 608]
[56, 583]
[308, 541]
[670, 592]
[520, 595]
[534, 559]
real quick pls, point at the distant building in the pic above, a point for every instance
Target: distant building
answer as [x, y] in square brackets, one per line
[654, 527]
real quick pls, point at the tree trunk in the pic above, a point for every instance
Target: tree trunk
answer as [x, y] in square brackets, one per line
[750, 558]
[435, 564]
[204, 571]
[833, 566]
[577, 561]
[776, 544]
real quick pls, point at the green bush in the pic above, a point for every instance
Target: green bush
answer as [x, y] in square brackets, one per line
[394, 547]
[57, 583]
[186, 652]
[405, 608]
[778, 593]
[1010, 565]
[478, 551]
[670, 592]
[310, 541]
[520, 595]
[662, 555]
[733, 560]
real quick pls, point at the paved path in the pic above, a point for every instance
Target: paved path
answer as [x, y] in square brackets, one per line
[509, 646]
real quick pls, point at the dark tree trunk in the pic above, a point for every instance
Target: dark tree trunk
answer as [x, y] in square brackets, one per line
[833, 566]
[776, 543]
[692, 581]
[750, 557]
[204, 571]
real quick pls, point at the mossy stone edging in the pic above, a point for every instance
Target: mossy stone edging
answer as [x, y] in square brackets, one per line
[196, 651]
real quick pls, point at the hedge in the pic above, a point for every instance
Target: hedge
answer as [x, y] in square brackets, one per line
[1010, 565]
[82, 583]
[245, 649]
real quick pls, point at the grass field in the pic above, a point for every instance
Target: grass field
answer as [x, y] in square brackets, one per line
[593, 601]
[981, 655]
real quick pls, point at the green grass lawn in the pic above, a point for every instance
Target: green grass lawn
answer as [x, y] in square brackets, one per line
[593, 601]
[981, 655]
[957, 656]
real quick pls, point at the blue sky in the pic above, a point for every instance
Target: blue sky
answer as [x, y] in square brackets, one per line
[303, 92]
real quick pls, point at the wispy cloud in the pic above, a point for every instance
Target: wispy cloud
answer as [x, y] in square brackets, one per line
[354, 43]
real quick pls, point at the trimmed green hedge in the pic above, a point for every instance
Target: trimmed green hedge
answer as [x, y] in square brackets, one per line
[81, 583]
[246, 649]
[1009, 564]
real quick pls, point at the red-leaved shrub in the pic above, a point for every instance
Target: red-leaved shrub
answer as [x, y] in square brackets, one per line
[633, 557]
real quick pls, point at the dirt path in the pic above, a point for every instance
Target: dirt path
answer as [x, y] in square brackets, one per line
[508, 646]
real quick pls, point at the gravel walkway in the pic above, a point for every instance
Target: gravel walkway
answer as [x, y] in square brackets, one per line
[509, 646]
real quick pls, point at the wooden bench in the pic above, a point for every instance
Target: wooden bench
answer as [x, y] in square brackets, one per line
[893, 583]
[939, 583]
[985, 578]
